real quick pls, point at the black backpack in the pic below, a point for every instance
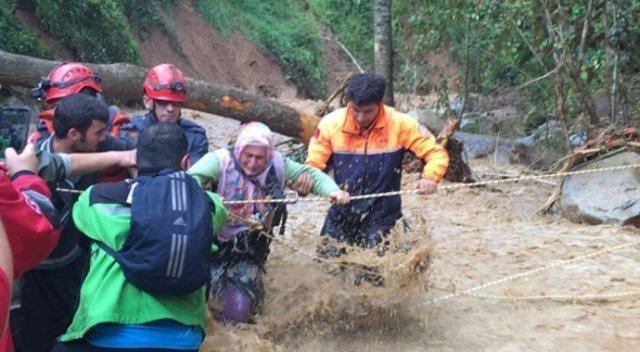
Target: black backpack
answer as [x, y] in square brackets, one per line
[168, 249]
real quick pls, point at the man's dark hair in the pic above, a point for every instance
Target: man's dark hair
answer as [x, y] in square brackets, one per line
[161, 146]
[77, 111]
[366, 88]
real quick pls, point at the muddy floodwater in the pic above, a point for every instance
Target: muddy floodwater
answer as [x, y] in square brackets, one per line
[501, 278]
[474, 237]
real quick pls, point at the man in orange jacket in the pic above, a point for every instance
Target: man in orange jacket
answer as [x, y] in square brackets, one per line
[364, 145]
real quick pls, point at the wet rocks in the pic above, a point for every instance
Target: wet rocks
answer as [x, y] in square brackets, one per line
[611, 197]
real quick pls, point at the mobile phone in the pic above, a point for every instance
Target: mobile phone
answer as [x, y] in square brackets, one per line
[14, 128]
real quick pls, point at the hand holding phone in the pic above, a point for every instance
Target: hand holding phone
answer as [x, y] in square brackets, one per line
[14, 128]
[25, 161]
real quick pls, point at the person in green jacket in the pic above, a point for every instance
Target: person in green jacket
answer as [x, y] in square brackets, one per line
[113, 313]
[252, 170]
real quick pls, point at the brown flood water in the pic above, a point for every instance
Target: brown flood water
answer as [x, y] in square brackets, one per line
[473, 237]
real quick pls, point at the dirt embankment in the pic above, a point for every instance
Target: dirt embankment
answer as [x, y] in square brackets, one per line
[206, 54]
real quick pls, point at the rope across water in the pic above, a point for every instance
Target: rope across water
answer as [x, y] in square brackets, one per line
[470, 292]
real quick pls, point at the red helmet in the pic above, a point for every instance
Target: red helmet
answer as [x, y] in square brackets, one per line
[165, 82]
[66, 79]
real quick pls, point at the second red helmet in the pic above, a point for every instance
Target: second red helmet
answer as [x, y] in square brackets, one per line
[165, 82]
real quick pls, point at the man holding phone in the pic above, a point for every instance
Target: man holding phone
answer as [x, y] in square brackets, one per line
[14, 128]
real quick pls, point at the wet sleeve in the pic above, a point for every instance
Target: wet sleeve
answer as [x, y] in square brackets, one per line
[422, 143]
[323, 185]
[207, 169]
[53, 167]
[320, 148]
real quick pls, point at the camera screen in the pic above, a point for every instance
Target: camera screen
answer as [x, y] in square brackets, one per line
[14, 128]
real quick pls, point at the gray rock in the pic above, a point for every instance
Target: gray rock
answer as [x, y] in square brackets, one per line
[610, 197]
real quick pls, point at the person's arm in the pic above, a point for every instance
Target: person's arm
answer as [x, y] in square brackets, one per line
[6, 277]
[207, 169]
[6, 257]
[220, 216]
[422, 143]
[86, 163]
[55, 167]
[323, 185]
[29, 217]
[220, 213]
[320, 148]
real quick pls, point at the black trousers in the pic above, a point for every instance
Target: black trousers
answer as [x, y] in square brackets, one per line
[47, 303]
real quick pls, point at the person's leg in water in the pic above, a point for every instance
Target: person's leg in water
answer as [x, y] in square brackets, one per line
[242, 292]
[374, 236]
[334, 227]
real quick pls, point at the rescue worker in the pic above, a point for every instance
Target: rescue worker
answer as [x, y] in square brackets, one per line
[64, 80]
[72, 78]
[364, 144]
[165, 91]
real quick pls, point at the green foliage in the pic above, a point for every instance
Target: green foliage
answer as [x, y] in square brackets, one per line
[15, 38]
[94, 30]
[510, 45]
[280, 27]
[351, 23]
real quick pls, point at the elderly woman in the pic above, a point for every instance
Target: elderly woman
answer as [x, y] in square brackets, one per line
[252, 170]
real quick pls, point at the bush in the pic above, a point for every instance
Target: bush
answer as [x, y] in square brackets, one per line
[94, 30]
[15, 38]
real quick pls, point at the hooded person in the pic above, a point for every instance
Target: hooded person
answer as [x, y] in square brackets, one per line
[252, 170]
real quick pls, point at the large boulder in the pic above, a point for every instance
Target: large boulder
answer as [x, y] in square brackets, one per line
[611, 197]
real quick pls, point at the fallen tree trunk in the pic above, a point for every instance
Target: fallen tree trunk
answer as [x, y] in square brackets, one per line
[123, 82]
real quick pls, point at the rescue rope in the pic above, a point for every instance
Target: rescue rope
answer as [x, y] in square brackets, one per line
[472, 291]
[256, 226]
[295, 199]
[445, 187]
[562, 298]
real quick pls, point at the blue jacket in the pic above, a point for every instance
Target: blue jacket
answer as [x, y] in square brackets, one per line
[196, 135]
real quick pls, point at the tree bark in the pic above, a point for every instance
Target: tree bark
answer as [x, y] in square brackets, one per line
[383, 45]
[123, 82]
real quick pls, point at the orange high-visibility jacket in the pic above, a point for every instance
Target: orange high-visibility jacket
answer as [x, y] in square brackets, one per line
[371, 162]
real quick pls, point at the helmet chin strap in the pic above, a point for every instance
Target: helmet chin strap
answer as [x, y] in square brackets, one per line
[153, 110]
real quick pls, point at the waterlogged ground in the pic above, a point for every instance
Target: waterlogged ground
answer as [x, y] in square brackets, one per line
[473, 237]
